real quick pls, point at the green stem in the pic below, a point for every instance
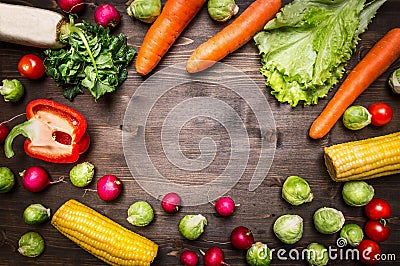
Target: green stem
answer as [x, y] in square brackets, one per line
[20, 129]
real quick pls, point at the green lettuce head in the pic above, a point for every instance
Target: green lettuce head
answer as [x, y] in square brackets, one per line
[328, 220]
[356, 117]
[192, 226]
[317, 255]
[82, 174]
[296, 190]
[258, 255]
[7, 179]
[357, 193]
[31, 244]
[289, 228]
[353, 234]
[12, 90]
[140, 213]
[36, 214]
[222, 10]
[144, 10]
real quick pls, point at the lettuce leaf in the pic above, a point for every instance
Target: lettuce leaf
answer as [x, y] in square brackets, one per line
[305, 48]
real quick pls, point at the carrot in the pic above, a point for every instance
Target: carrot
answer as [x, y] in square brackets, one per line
[233, 36]
[174, 18]
[385, 52]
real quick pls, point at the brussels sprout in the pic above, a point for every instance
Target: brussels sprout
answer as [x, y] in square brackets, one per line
[289, 228]
[191, 226]
[394, 81]
[36, 214]
[356, 117]
[296, 190]
[7, 179]
[145, 10]
[82, 174]
[222, 10]
[317, 254]
[328, 220]
[353, 234]
[258, 255]
[31, 244]
[140, 213]
[357, 193]
[12, 90]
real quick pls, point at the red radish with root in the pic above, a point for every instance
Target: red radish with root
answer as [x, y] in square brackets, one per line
[171, 202]
[189, 258]
[242, 238]
[71, 6]
[225, 206]
[35, 179]
[109, 187]
[214, 256]
[107, 15]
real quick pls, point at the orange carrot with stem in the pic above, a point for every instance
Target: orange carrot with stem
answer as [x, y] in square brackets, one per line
[174, 18]
[233, 36]
[385, 52]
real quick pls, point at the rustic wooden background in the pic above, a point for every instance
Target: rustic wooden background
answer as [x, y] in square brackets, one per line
[296, 153]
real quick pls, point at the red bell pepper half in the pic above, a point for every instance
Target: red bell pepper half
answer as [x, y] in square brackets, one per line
[53, 132]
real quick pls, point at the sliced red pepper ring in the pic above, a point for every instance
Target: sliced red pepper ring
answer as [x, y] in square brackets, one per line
[53, 132]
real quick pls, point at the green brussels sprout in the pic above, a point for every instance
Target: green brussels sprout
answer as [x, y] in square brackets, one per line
[140, 213]
[31, 244]
[353, 234]
[356, 117]
[258, 255]
[191, 226]
[36, 214]
[328, 220]
[296, 190]
[12, 90]
[394, 81]
[7, 179]
[357, 193]
[82, 174]
[317, 254]
[145, 10]
[222, 10]
[289, 228]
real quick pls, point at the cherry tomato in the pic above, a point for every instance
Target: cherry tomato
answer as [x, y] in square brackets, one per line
[381, 114]
[31, 66]
[378, 209]
[369, 251]
[377, 230]
[4, 130]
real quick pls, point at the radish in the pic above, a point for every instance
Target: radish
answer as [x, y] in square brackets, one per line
[109, 187]
[4, 130]
[107, 15]
[225, 206]
[242, 238]
[35, 179]
[171, 203]
[71, 6]
[189, 258]
[214, 256]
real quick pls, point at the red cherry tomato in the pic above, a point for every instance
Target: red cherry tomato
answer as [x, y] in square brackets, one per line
[378, 209]
[377, 230]
[381, 114]
[31, 66]
[369, 251]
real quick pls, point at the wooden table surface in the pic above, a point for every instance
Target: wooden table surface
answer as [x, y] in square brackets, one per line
[295, 153]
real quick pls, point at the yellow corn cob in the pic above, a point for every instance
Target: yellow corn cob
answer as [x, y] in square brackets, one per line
[102, 237]
[364, 159]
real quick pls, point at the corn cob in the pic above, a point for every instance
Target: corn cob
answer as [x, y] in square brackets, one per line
[364, 159]
[102, 237]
